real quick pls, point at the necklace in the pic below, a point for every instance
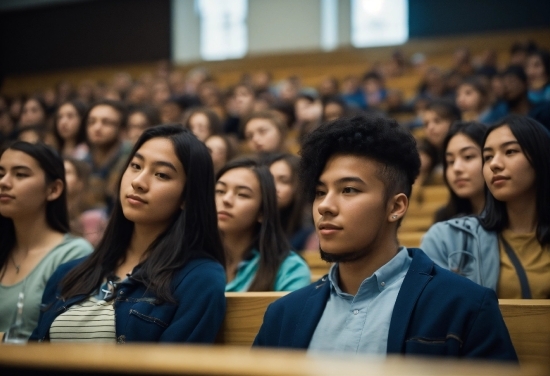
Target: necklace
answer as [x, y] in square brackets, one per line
[17, 267]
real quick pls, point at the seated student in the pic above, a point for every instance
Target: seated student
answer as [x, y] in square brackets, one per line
[139, 119]
[203, 122]
[257, 252]
[537, 69]
[290, 200]
[222, 148]
[105, 124]
[33, 112]
[34, 225]
[265, 132]
[157, 274]
[472, 98]
[506, 248]
[462, 170]
[378, 298]
[69, 129]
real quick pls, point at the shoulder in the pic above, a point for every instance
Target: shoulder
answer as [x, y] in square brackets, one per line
[293, 260]
[298, 298]
[203, 272]
[77, 243]
[443, 230]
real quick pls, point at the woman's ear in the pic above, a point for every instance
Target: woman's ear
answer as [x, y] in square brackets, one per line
[397, 206]
[54, 190]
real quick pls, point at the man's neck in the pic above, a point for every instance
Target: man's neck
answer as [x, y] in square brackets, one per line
[352, 274]
[520, 106]
[101, 155]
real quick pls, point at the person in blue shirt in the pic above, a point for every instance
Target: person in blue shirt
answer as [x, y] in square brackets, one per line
[257, 250]
[157, 275]
[378, 298]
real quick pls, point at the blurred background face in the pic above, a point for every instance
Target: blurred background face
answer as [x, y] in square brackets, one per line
[534, 69]
[468, 98]
[103, 126]
[218, 151]
[74, 184]
[200, 126]
[32, 113]
[68, 121]
[137, 123]
[436, 127]
[514, 87]
[244, 100]
[284, 183]
[262, 136]
[464, 167]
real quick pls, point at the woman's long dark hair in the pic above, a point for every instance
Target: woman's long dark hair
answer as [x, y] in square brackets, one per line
[81, 134]
[194, 230]
[269, 237]
[534, 140]
[57, 215]
[456, 206]
[292, 216]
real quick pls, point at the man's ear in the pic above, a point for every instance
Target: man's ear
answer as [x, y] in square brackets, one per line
[397, 206]
[54, 190]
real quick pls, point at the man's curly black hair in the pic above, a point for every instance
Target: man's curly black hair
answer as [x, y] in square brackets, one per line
[379, 139]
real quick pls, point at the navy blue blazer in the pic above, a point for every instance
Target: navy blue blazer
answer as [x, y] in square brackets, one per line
[436, 313]
[198, 287]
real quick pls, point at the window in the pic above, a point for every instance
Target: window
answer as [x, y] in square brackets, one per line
[223, 29]
[379, 22]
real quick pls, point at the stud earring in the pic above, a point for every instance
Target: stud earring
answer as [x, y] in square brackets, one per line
[393, 216]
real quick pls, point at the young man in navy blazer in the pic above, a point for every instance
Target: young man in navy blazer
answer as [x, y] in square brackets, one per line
[378, 298]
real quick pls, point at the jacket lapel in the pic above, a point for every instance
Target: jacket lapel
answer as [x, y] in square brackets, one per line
[311, 314]
[418, 276]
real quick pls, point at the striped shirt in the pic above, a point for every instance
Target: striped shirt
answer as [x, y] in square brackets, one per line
[92, 320]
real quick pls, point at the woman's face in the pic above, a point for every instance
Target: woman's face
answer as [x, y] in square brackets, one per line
[218, 151]
[244, 100]
[74, 184]
[284, 183]
[506, 170]
[200, 126]
[23, 188]
[468, 98]
[137, 124]
[436, 127]
[152, 185]
[238, 201]
[32, 113]
[68, 121]
[262, 136]
[464, 167]
[534, 68]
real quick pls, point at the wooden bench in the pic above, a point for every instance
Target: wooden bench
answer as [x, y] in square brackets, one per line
[528, 322]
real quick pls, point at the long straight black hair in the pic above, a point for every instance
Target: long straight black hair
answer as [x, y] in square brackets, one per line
[269, 237]
[57, 216]
[534, 140]
[475, 131]
[193, 232]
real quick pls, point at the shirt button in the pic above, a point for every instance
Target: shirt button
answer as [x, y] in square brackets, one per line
[383, 284]
[355, 311]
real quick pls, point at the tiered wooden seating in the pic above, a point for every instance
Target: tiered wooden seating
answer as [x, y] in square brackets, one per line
[317, 266]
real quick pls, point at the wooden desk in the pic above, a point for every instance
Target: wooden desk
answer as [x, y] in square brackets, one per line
[154, 359]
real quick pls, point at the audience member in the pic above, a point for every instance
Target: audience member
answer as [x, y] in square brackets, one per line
[360, 172]
[537, 69]
[472, 98]
[33, 113]
[139, 119]
[462, 170]
[507, 247]
[203, 123]
[35, 231]
[161, 251]
[265, 132]
[222, 149]
[70, 131]
[257, 251]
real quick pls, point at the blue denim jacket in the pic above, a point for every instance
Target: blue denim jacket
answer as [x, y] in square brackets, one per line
[199, 289]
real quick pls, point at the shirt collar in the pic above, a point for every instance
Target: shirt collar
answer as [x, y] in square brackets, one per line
[383, 277]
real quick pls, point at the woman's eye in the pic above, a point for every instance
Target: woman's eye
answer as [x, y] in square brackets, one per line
[349, 190]
[162, 176]
[487, 158]
[21, 175]
[450, 163]
[219, 192]
[243, 195]
[319, 193]
[511, 151]
[135, 166]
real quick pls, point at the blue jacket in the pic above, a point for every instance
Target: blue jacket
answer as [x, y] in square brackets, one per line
[463, 244]
[198, 288]
[436, 313]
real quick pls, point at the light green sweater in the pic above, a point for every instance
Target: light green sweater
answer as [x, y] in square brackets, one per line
[33, 285]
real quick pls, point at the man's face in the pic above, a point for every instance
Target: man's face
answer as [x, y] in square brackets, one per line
[514, 87]
[103, 126]
[349, 209]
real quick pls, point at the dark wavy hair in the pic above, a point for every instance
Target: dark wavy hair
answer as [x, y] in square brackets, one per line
[81, 109]
[193, 232]
[57, 215]
[475, 131]
[382, 140]
[269, 238]
[534, 140]
[214, 121]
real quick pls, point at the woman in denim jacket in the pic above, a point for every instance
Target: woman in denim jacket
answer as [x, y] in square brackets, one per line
[157, 274]
[506, 248]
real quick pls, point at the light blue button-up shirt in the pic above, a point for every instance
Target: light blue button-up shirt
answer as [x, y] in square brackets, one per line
[360, 323]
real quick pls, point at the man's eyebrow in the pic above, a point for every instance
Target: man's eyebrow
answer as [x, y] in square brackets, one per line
[157, 163]
[350, 179]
